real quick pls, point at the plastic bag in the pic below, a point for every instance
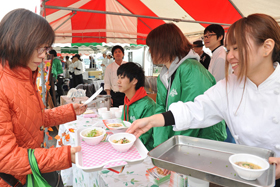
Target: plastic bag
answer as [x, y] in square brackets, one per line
[73, 92]
[35, 179]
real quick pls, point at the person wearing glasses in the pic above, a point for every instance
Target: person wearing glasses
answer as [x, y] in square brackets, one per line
[25, 38]
[214, 40]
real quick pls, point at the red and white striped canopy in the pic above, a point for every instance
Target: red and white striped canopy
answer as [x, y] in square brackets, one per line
[74, 22]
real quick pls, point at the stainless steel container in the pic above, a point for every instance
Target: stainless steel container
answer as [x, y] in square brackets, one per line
[208, 160]
[103, 101]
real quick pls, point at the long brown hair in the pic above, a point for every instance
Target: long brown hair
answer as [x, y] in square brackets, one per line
[21, 33]
[166, 42]
[259, 27]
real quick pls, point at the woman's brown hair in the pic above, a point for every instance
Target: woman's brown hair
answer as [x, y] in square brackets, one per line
[259, 27]
[166, 42]
[21, 33]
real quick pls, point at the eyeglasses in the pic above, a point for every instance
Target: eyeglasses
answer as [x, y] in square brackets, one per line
[42, 50]
[207, 36]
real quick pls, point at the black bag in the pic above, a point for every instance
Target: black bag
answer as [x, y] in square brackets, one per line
[10, 180]
[53, 178]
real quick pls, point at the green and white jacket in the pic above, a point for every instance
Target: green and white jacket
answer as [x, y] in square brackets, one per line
[142, 108]
[183, 81]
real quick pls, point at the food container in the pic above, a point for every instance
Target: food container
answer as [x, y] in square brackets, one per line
[103, 101]
[106, 115]
[247, 173]
[118, 113]
[113, 110]
[103, 155]
[101, 110]
[209, 160]
[122, 147]
[122, 126]
[92, 140]
[121, 107]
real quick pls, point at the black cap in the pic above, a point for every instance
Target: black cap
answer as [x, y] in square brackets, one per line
[198, 43]
[76, 55]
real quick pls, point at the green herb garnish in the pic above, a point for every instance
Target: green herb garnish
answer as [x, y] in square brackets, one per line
[92, 133]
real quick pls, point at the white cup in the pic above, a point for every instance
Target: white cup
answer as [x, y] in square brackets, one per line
[113, 110]
[101, 110]
[118, 113]
[106, 115]
[121, 107]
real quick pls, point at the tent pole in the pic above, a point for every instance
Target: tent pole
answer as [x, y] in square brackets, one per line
[236, 8]
[144, 49]
[100, 37]
[42, 66]
[132, 15]
[74, 13]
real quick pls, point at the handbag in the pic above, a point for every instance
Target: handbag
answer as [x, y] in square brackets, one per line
[10, 180]
[35, 179]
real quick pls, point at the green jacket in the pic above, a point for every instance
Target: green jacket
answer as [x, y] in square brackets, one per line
[56, 67]
[142, 108]
[190, 79]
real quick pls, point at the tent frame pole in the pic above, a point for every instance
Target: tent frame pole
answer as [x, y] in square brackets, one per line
[236, 8]
[100, 37]
[74, 13]
[132, 15]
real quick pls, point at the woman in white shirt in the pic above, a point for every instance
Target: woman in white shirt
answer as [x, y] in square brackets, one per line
[77, 65]
[248, 100]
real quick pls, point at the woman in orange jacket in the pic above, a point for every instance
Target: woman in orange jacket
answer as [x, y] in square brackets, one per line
[25, 37]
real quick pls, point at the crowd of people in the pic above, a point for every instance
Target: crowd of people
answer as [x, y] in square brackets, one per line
[234, 92]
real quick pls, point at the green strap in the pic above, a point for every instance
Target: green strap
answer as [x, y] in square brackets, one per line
[35, 179]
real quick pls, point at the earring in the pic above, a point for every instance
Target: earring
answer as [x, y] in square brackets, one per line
[265, 53]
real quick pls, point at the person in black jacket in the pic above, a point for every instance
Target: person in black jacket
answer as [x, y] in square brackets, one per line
[204, 58]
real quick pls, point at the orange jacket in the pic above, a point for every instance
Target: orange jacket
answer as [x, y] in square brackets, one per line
[22, 114]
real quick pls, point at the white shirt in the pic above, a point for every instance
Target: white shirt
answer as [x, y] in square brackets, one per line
[67, 64]
[218, 63]
[110, 61]
[254, 121]
[78, 64]
[71, 67]
[111, 78]
[105, 62]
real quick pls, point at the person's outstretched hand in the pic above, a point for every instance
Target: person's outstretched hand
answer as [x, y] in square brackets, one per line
[73, 151]
[79, 108]
[276, 161]
[141, 126]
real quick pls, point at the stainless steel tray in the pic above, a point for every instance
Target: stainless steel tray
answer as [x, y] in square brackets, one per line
[208, 160]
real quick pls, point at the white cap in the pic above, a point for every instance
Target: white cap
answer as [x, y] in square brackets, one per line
[109, 53]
